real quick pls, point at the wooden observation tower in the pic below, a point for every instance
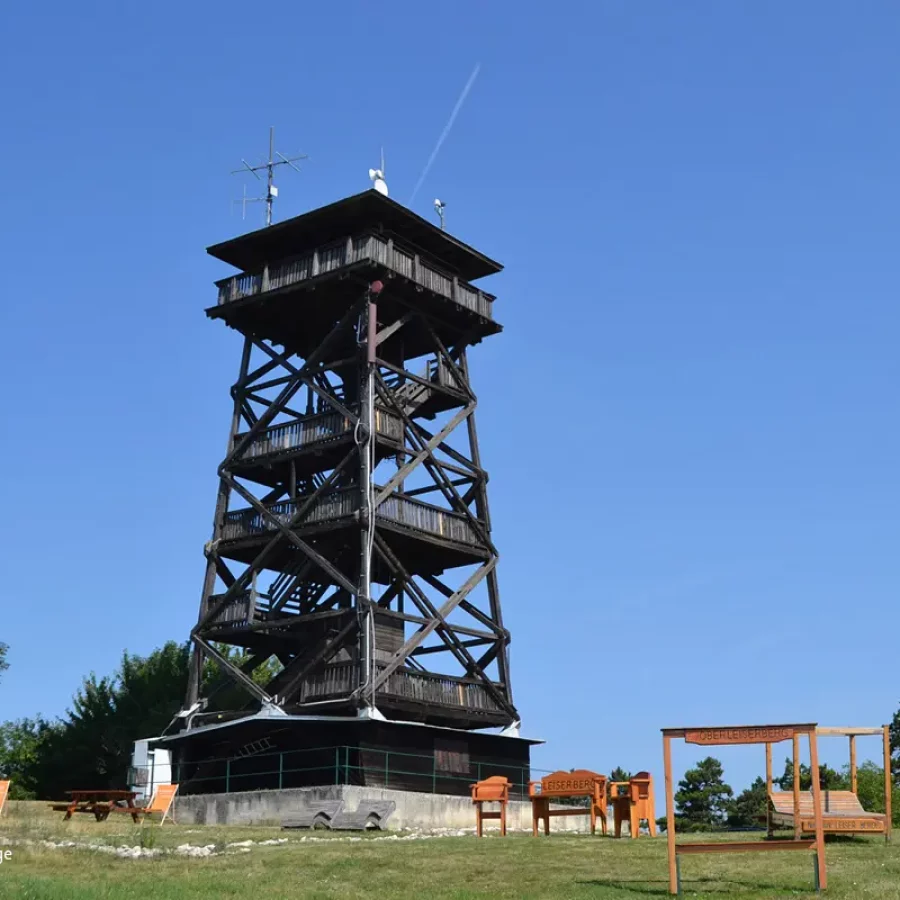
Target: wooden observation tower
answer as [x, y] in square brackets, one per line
[352, 535]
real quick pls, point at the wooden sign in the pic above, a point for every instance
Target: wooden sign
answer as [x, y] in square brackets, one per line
[577, 783]
[754, 734]
[845, 823]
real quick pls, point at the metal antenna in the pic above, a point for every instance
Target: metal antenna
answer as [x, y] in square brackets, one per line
[243, 202]
[269, 166]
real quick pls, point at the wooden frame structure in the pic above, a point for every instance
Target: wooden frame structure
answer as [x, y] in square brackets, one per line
[373, 595]
[734, 735]
[4, 793]
[568, 785]
[491, 790]
[842, 812]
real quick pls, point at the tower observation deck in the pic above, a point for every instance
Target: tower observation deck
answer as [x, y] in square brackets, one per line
[352, 534]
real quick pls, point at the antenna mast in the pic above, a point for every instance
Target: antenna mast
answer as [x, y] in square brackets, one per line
[269, 166]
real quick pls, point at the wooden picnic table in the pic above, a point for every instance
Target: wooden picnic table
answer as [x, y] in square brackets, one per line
[101, 803]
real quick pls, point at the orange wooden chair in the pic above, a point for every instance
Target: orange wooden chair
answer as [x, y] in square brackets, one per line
[4, 793]
[491, 790]
[632, 802]
[161, 802]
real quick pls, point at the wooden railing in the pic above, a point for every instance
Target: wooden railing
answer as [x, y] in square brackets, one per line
[405, 511]
[348, 251]
[237, 612]
[244, 523]
[426, 687]
[423, 687]
[424, 517]
[333, 681]
[245, 608]
[314, 429]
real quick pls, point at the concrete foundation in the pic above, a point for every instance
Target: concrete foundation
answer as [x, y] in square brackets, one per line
[416, 811]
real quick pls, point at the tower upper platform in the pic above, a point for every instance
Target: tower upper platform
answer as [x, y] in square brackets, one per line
[310, 268]
[361, 211]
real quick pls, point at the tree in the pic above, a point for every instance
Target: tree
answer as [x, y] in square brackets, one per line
[749, 806]
[109, 714]
[870, 789]
[22, 745]
[4, 665]
[140, 700]
[895, 744]
[619, 774]
[703, 798]
[91, 747]
[829, 779]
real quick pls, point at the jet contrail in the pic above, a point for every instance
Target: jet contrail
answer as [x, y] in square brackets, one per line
[446, 131]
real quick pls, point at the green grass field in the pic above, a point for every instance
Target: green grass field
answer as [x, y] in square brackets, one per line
[457, 868]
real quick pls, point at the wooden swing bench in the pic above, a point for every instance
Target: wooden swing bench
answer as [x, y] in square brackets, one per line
[842, 813]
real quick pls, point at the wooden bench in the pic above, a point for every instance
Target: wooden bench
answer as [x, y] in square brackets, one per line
[491, 790]
[842, 813]
[579, 783]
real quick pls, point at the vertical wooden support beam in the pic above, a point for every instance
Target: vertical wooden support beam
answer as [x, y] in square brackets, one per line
[817, 810]
[670, 816]
[797, 787]
[251, 602]
[888, 783]
[768, 789]
[367, 512]
[853, 763]
[195, 673]
[483, 512]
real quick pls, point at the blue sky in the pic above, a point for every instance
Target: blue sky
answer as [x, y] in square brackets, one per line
[697, 206]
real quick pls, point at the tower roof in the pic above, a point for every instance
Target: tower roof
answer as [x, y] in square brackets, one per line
[369, 209]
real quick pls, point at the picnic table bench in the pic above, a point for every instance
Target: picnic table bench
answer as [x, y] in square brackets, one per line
[100, 803]
[568, 785]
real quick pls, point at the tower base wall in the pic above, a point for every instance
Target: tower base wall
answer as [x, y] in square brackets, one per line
[414, 810]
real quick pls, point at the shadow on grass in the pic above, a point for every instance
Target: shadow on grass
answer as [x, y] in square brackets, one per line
[649, 888]
[640, 886]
